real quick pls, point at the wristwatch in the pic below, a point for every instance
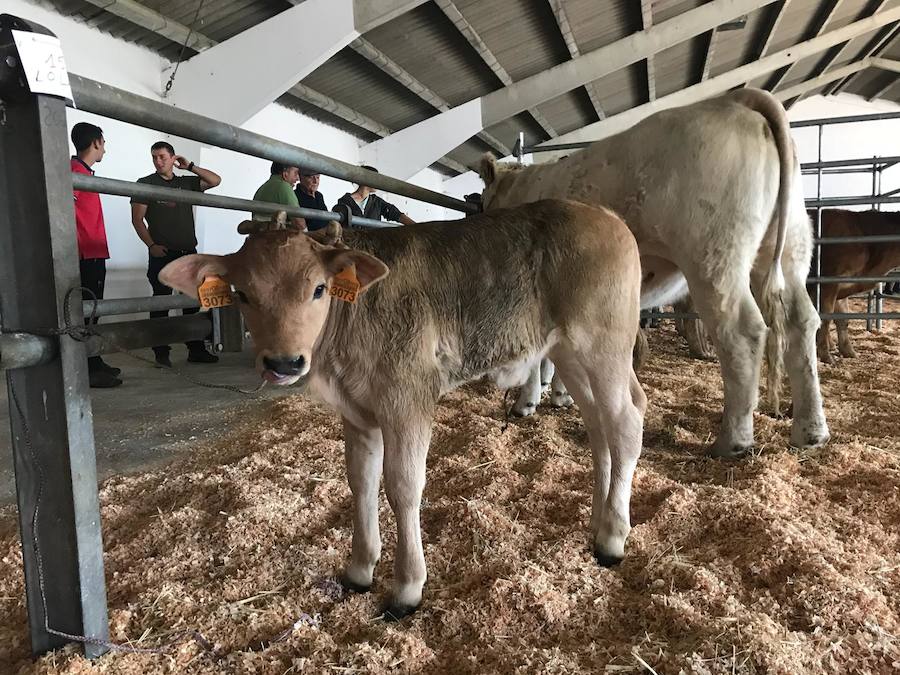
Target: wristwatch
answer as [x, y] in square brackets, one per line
[190, 166]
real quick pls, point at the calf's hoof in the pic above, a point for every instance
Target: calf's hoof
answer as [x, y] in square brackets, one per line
[352, 586]
[395, 612]
[605, 559]
[526, 410]
[804, 438]
[722, 451]
[848, 353]
[561, 400]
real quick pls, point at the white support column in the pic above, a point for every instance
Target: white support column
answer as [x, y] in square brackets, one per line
[235, 79]
[733, 78]
[406, 152]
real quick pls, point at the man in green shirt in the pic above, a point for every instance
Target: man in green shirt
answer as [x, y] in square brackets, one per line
[279, 189]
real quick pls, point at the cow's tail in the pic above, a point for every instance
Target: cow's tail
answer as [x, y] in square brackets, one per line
[772, 296]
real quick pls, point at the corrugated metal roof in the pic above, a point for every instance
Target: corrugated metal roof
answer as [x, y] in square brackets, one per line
[525, 38]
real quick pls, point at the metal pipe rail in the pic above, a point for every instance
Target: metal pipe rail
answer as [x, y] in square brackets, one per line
[850, 280]
[155, 303]
[850, 201]
[103, 99]
[21, 350]
[873, 239]
[843, 163]
[113, 337]
[124, 188]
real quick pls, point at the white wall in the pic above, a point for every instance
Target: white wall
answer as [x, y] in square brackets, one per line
[848, 141]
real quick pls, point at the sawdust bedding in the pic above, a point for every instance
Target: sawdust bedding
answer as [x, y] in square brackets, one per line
[785, 562]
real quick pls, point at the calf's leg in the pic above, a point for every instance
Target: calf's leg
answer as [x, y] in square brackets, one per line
[363, 451]
[845, 346]
[406, 440]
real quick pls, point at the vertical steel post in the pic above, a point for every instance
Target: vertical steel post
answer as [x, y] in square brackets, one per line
[50, 411]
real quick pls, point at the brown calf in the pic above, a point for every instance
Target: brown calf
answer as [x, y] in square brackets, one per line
[491, 294]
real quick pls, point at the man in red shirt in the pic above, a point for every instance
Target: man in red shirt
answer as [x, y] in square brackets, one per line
[93, 251]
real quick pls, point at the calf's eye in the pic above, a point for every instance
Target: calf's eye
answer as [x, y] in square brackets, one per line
[320, 290]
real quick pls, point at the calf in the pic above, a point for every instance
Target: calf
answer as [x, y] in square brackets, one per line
[491, 294]
[865, 260]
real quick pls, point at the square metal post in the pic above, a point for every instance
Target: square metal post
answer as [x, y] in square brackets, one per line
[50, 410]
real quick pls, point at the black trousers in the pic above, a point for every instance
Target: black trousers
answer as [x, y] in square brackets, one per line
[154, 267]
[93, 278]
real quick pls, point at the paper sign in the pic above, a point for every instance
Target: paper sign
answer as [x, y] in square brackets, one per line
[345, 285]
[214, 292]
[44, 64]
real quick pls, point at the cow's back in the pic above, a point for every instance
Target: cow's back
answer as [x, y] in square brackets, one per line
[490, 288]
[694, 182]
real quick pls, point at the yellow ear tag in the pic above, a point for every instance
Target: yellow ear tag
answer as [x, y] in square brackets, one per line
[345, 285]
[214, 292]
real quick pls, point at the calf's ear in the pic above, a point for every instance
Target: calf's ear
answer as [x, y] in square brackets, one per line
[369, 269]
[487, 169]
[188, 272]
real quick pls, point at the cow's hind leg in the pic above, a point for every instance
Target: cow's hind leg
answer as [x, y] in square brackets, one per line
[406, 439]
[612, 405]
[529, 395]
[363, 450]
[735, 320]
[809, 428]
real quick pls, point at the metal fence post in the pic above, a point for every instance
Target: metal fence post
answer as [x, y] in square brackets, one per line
[50, 411]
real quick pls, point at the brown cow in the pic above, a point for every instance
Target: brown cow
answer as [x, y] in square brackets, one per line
[842, 260]
[491, 294]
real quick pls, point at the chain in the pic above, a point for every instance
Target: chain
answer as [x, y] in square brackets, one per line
[183, 47]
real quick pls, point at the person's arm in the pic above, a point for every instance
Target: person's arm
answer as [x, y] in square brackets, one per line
[289, 197]
[208, 179]
[138, 211]
[391, 212]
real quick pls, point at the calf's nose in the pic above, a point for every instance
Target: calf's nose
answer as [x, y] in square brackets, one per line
[284, 365]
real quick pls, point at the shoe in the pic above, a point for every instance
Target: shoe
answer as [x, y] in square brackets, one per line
[163, 361]
[112, 370]
[100, 379]
[202, 357]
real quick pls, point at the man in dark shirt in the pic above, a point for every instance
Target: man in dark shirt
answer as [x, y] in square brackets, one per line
[365, 203]
[167, 230]
[310, 198]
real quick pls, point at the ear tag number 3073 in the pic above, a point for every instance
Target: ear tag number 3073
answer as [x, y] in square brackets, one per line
[214, 292]
[345, 285]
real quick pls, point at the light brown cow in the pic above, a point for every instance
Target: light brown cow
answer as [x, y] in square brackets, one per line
[491, 294]
[712, 192]
[860, 260]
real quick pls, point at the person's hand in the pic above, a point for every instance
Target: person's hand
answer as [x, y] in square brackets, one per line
[158, 250]
[181, 162]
